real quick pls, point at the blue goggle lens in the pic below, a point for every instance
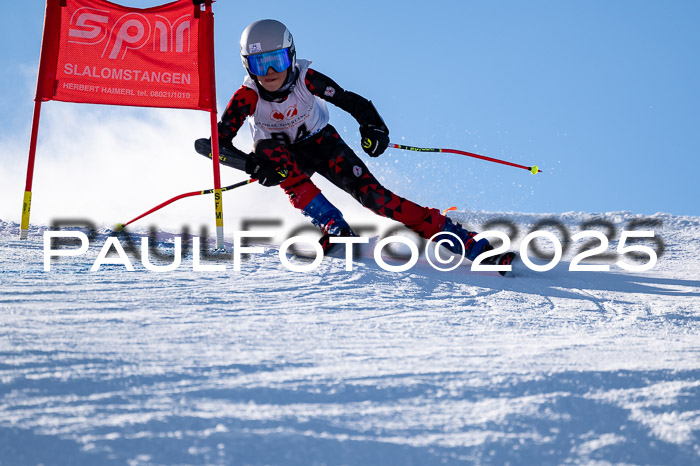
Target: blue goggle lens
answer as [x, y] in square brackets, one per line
[278, 60]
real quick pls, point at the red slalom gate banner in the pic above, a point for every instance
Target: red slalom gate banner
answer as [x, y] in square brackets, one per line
[104, 53]
[99, 52]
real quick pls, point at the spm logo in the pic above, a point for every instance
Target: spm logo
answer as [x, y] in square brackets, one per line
[131, 31]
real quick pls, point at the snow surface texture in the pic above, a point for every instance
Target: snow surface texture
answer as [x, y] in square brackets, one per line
[267, 366]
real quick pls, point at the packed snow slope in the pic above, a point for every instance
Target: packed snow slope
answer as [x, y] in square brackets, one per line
[269, 366]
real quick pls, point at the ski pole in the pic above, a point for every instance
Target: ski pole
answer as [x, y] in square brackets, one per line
[120, 226]
[533, 169]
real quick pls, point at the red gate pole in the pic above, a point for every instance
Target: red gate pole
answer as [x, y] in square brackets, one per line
[44, 91]
[218, 198]
[27, 203]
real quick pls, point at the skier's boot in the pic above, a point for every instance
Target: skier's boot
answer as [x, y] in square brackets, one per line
[328, 218]
[471, 248]
[491, 260]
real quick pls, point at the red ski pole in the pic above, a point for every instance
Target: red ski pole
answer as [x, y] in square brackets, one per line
[120, 226]
[533, 169]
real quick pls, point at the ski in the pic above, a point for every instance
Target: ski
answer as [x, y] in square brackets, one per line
[233, 159]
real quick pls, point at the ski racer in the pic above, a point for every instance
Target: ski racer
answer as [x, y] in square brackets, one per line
[292, 140]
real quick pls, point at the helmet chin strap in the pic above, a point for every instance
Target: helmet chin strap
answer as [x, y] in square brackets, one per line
[281, 93]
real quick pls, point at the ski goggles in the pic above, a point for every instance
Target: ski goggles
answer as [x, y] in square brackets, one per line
[278, 60]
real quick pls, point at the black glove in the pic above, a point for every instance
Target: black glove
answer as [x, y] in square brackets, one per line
[375, 140]
[267, 173]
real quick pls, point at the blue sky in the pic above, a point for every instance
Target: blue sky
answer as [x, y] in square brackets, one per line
[603, 96]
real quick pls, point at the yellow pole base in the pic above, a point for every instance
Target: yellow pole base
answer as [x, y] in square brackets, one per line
[26, 208]
[219, 209]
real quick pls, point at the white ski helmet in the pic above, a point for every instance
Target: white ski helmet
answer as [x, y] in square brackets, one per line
[267, 43]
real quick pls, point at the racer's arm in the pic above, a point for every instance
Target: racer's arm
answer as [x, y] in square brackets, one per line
[241, 106]
[375, 134]
[361, 109]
